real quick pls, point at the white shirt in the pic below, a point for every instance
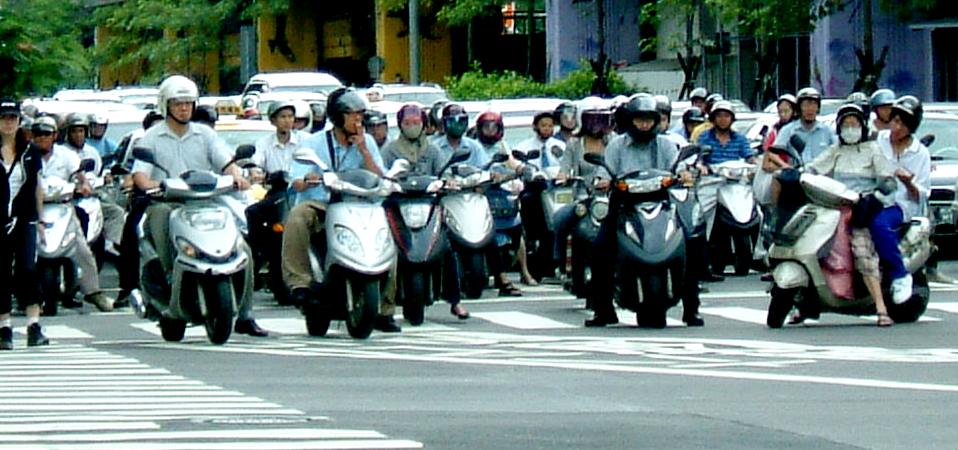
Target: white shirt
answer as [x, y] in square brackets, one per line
[916, 160]
[272, 156]
[62, 163]
[545, 148]
[88, 152]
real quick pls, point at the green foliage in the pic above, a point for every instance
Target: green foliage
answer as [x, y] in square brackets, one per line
[41, 47]
[450, 12]
[479, 85]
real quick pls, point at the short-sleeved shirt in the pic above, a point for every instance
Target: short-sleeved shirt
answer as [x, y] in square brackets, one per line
[848, 162]
[477, 155]
[424, 158]
[546, 157]
[574, 163]
[624, 155]
[346, 158]
[62, 163]
[916, 160]
[104, 146]
[88, 152]
[273, 156]
[736, 148]
[199, 149]
[817, 139]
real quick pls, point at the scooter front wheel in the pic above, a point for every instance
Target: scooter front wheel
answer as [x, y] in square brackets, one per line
[415, 296]
[218, 295]
[474, 278]
[363, 305]
[172, 330]
[780, 305]
[743, 253]
[914, 307]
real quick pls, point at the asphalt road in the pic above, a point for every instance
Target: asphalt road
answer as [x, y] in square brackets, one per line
[522, 373]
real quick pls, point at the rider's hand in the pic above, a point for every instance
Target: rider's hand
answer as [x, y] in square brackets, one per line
[84, 190]
[108, 178]
[904, 175]
[687, 178]
[602, 185]
[359, 140]
[240, 182]
[562, 176]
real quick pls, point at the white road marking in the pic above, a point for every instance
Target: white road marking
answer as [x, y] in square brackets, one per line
[58, 332]
[749, 315]
[274, 433]
[296, 445]
[951, 307]
[154, 329]
[76, 426]
[521, 320]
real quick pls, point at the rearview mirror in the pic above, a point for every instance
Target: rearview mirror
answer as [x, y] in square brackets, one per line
[144, 154]
[797, 142]
[87, 165]
[594, 158]
[244, 151]
[927, 140]
[500, 158]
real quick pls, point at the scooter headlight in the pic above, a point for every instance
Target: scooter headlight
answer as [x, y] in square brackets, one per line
[382, 240]
[453, 224]
[599, 210]
[206, 219]
[186, 248]
[580, 210]
[415, 215]
[348, 239]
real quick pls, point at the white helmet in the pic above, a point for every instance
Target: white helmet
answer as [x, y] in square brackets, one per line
[302, 111]
[176, 87]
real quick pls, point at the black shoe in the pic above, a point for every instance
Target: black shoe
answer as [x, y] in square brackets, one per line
[458, 311]
[601, 320]
[386, 324]
[249, 327]
[122, 299]
[35, 336]
[712, 278]
[6, 338]
[693, 320]
[71, 303]
[767, 277]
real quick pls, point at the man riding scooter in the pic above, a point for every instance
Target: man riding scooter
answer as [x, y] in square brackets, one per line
[178, 146]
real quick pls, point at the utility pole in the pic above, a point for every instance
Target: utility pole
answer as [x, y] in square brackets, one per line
[413, 41]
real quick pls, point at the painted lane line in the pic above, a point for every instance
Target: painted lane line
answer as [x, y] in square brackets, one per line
[67, 361]
[198, 406]
[951, 307]
[58, 332]
[76, 426]
[27, 368]
[521, 320]
[749, 315]
[139, 393]
[167, 414]
[80, 372]
[138, 399]
[273, 433]
[297, 445]
[154, 329]
[158, 382]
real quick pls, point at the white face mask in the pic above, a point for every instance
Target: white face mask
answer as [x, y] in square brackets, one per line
[851, 135]
[412, 132]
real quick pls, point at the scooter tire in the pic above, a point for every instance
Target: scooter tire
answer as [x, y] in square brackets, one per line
[172, 330]
[415, 296]
[914, 307]
[317, 319]
[218, 295]
[474, 278]
[365, 294]
[743, 253]
[49, 271]
[579, 265]
[780, 304]
[655, 296]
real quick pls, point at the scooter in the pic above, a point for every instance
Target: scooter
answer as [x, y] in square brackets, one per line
[351, 258]
[469, 224]
[651, 243]
[589, 211]
[800, 276]
[210, 265]
[737, 220]
[503, 198]
[416, 218]
[93, 209]
[57, 249]
[547, 204]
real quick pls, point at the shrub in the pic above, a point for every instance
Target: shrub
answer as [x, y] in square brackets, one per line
[479, 85]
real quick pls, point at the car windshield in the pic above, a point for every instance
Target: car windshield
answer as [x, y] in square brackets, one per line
[945, 146]
[425, 98]
[235, 138]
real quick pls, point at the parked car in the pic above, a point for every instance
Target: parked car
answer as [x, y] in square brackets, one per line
[425, 94]
[942, 209]
[318, 82]
[237, 132]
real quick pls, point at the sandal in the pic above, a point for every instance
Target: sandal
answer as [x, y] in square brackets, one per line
[509, 290]
[529, 281]
[884, 320]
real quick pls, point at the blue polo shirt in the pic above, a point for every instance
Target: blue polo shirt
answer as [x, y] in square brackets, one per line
[817, 139]
[346, 158]
[736, 148]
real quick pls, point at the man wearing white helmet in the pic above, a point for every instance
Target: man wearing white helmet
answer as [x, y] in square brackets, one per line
[179, 145]
[97, 138]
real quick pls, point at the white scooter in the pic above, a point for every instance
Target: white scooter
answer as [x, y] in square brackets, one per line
[470, 225]
[210, 267]
[351, 258]
[737, 218]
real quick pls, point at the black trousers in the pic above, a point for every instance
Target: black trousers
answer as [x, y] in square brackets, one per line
[267, 244]
[18, 250]
[129, 266]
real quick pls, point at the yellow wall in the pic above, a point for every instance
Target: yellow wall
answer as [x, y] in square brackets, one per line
[435, 55]
[301, 38]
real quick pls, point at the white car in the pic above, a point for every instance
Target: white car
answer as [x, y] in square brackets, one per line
[319, 82]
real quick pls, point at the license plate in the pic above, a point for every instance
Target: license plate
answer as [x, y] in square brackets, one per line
[564, 197]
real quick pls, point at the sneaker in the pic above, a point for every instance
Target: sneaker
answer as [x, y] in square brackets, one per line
[6, 338]
[102, 302]
[901, 289]
[35, 336]
[386, 324]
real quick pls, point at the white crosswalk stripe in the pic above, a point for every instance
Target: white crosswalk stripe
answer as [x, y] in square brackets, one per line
[73, 397]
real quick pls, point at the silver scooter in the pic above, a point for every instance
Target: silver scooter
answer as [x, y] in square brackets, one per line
[58, 248]
[470, 225]
[210, 264]
[736, 219]
[351, 258]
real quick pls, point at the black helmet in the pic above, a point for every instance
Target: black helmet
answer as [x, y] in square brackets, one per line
[721, 106]
[642, 106]
[343, 101]
[882, 97]
[809, 93]
[851, 109]
[205, 114]
[909, 109]
[435, 113]
[699, 92]
[373, 118]
[663, 105]
[693, 115]
[455, 120]
[150, 118]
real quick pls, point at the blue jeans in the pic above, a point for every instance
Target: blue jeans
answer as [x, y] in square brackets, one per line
[885, 236]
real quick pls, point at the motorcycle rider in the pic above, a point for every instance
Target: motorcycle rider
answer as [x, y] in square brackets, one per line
[710, 101]
[642, 147]
[77, 127]
[303, 115]
[691, 118]
[664, 106]
[697, 97]
[206, 115]
[274, 154]
[62, 162]
[817, 136]
[787, 108]
[20, 200]
[377, 125]
[434, 129]
[455, 122]
[881, 102]
[346, 146]
[913, 171]
[179, 145]
[98, 140]
[565, 117]
[319, 117]
[856, 161]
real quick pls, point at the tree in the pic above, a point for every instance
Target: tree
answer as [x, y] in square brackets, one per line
[41, 47]
[689, 60]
